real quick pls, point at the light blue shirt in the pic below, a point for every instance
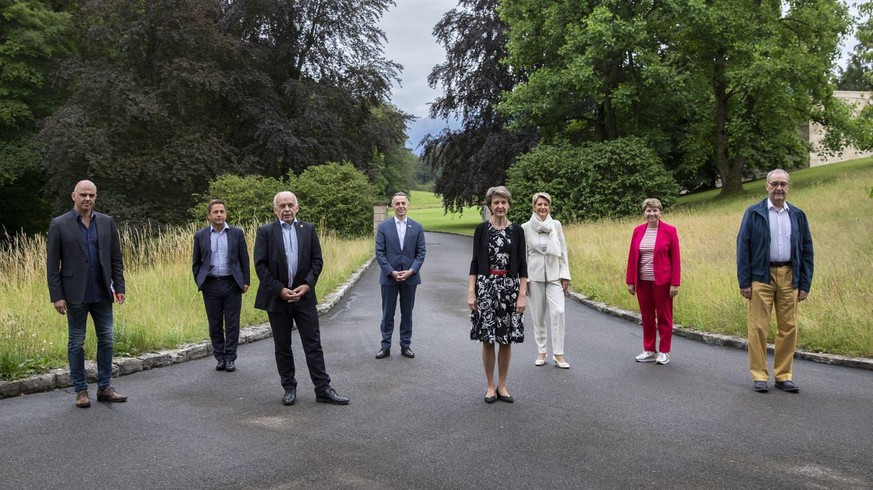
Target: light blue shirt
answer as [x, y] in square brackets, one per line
[780, 233]
[218, 266]
[289, 237]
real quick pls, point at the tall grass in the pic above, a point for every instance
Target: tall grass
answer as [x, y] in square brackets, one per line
[838, 315]
[163, 307]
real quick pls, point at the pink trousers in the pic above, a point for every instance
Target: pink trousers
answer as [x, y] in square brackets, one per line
[656, 304]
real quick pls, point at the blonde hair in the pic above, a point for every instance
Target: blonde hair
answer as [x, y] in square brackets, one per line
[537, 195]
[652, 203]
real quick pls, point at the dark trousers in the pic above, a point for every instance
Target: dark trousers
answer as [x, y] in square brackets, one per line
[389, 306]
[223, 300]
[305, 315]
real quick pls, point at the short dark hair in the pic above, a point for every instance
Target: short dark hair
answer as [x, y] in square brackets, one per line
[213, 203]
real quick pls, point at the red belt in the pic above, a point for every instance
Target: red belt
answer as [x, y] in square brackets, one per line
[498, 272]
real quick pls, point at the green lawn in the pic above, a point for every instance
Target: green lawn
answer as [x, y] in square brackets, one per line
[427, 209]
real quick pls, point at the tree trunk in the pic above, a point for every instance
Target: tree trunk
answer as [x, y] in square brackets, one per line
[730, 169]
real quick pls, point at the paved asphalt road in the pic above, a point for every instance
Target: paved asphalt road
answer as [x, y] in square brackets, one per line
[421, 423]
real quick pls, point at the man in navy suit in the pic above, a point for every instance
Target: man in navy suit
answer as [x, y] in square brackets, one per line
[288, 262]
[400, 253]
[221, 271]
[85, 270]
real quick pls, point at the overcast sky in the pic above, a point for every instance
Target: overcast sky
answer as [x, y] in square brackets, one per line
[409, 28]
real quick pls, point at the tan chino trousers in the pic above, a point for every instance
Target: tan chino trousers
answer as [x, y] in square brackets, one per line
[780, 294]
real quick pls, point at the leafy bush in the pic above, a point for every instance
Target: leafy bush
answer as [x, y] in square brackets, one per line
[336, 196]
[249, 199]
[545, 169]
[598, 180]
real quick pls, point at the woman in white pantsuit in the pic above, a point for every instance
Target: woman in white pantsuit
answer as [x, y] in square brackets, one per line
[548, 278]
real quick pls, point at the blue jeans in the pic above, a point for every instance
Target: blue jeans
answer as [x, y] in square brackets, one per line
[77, 320]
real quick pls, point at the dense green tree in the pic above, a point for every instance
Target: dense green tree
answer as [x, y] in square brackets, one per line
[469, 160]
[710, 84]
[765, 66]
[596, 69]
[857, 75]
[169, 94]
[33, 37]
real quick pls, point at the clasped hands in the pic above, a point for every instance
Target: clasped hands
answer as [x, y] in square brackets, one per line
[294, 295]
[401, 276]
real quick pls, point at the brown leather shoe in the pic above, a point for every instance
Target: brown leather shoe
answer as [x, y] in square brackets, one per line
[82, 400]
[110, 395]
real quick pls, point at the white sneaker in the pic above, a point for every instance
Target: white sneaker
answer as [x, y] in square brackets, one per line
[647, 356]
[663, 358]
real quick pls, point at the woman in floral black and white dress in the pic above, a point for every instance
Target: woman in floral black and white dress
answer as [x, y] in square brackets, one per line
[497, 293]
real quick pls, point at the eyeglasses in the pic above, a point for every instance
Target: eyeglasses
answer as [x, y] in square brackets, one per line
[778, 184]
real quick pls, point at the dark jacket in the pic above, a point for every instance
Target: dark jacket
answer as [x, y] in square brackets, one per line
[753, 247]
[271, 265]
[67, 257]
[517, 256]
[237, 256]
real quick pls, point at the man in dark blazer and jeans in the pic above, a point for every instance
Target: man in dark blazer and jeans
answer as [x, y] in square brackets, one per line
[85, 274]
[288, 262]
[221, 271]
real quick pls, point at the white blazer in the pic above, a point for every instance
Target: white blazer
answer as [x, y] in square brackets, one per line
[542, 267]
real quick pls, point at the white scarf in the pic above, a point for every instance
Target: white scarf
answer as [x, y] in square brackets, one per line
[553, 247]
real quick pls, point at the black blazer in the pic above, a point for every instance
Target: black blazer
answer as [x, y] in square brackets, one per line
[517, 255]
[237, 256]
[271, 265]
[67, 257]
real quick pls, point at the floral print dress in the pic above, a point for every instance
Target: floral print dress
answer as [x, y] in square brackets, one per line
[495, 319]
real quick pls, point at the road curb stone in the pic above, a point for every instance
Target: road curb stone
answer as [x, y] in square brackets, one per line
[122, 366]
[725, 340]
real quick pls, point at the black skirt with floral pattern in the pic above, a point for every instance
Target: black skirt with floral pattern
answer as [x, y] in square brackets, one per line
[495, 319]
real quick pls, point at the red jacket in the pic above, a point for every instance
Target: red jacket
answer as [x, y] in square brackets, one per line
[666, 261]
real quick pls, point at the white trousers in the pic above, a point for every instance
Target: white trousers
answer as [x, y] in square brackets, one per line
[546, 302]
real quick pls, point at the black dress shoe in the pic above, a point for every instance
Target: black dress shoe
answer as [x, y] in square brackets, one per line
[507, 398]
[290, 396]
[490, 399]
[330, 396]
[788, 386]
[760, 386]
[230, 366]
[383, 353]
[407, 352]
[221, 366]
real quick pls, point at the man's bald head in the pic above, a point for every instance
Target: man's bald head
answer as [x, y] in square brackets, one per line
[84, 196]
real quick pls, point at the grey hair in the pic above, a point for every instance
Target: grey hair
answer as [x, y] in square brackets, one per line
[778, 171]
[499, 191]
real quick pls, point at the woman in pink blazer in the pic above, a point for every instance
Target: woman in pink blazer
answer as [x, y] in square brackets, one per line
[653, 274]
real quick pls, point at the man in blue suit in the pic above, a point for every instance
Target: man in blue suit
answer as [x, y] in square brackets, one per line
[400, 253]
[220, 264]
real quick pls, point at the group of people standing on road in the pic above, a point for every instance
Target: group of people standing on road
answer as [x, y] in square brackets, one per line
[513, 266]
